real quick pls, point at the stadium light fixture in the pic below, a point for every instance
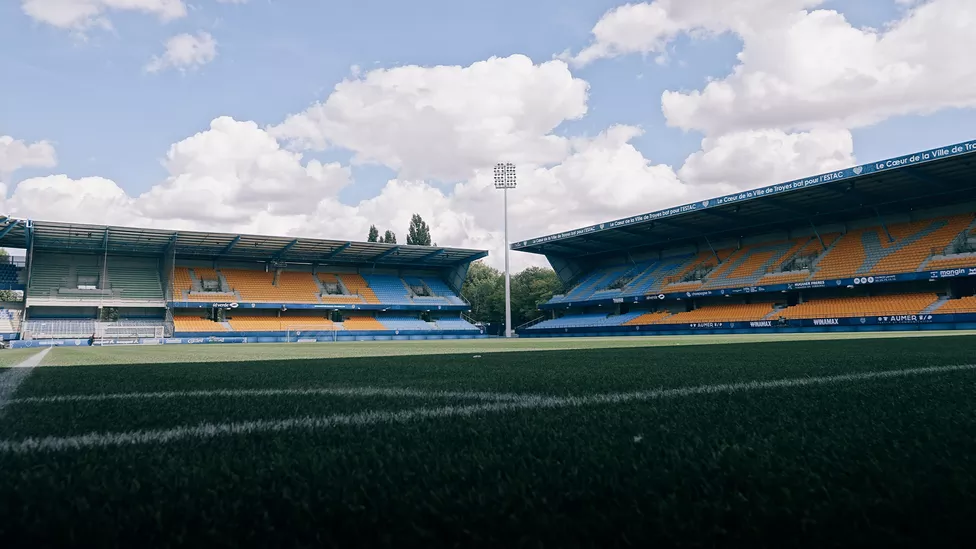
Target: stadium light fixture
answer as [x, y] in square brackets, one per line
[505, 180]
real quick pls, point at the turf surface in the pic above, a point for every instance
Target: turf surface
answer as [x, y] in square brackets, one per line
[886, 461]
[72, 356]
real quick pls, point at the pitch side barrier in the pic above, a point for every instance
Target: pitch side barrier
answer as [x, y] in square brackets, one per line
[244, 305]
[771, 288]
[23, 344]
[343, 335]
[258, 337]
[962, 321]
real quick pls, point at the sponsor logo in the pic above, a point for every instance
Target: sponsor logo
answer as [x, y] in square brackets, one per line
[870, 280]
[228, 305]
[858, 170]
[950, 273]
[826, 322]
[864, 320]
[705, 203]
[660, 296]
[615, 300]
[972, 272]
[904, 319]
[706, 325]
[761, 324]
[602, 225]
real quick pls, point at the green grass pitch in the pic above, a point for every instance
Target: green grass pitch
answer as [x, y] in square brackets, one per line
[694, 441]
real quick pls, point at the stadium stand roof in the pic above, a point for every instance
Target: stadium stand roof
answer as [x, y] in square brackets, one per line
[926, 179]
[76, 237]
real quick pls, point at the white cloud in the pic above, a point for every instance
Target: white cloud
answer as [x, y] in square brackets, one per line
[800, 69]
[60, 198]
[649, 27]
[15, 154]
[445, 122]
[236, 169]
[185, 51]
[83, 14]
[235, 177]
[760, 157]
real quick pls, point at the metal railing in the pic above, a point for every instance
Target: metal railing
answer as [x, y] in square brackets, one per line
[532, 322]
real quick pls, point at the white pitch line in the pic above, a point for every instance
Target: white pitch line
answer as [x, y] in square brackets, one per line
[395, 392]
[214, 430]
[11, 380]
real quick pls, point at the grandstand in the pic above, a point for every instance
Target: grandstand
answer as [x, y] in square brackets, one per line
[888, 245]
[130, 285]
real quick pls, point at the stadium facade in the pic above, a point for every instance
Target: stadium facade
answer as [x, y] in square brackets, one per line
[123, 285]
[889, 245]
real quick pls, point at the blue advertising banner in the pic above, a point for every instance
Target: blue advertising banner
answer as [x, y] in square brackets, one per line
[314, 306]
[813, 284]
[761, 325]
[22, 344]
[959, 149]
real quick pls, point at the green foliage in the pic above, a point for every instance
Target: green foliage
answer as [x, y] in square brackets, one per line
[419, 233]
[7, 295]
[484, 288]
[374, 234]
[389, 237]
[109, 314]
[530, 288]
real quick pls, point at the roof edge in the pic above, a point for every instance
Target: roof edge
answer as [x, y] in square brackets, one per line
[890, 164]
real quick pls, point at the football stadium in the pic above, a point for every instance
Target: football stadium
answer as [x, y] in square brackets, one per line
[118, 285]
[889, 245]
[807, 380]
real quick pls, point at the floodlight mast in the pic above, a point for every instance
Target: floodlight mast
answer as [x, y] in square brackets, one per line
[504, 180]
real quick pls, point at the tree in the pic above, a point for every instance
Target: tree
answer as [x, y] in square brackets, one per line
[7, 295]
[419, 232]
[531, 288]
[374, 234]
[389, 237]
[484, 288]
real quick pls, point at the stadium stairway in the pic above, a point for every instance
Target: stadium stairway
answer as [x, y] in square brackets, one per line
[935, 306]
[869, 251]
[750, 264]
[650, 280]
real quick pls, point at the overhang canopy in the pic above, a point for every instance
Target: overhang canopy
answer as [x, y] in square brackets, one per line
[928, 179]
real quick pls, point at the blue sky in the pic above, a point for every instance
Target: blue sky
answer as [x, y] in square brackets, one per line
[85, 91]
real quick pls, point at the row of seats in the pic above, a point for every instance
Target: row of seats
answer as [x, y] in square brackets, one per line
[258, 323]
[961, 305]
[721, 313]
[118, 278]
[866, 251]
[9, 320]
[841, 307]
[9, 273]
[304, 287]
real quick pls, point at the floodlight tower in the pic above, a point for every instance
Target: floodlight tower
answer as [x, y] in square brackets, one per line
[505, 180]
